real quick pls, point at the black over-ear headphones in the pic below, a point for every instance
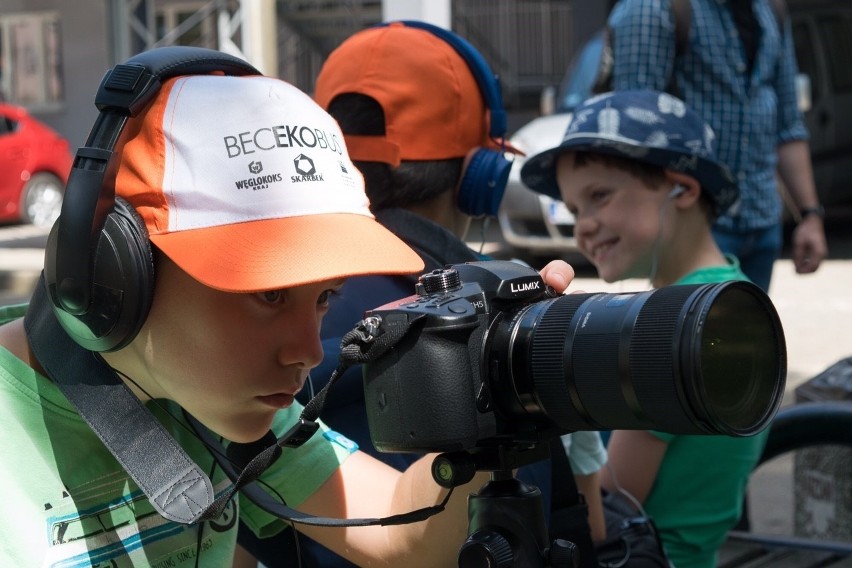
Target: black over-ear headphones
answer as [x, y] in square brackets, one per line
[99, 268]
[484, 178]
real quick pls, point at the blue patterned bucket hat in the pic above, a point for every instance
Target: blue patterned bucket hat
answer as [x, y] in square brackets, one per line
[647, 126]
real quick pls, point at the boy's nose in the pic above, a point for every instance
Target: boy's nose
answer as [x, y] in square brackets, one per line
[304, 346]
[584, 224]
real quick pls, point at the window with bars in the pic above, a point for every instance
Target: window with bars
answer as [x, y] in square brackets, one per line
[31, 60]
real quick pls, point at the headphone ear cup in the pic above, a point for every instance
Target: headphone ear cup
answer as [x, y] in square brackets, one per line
[123, 284]
[483, 182]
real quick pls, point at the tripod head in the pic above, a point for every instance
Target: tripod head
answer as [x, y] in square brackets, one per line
[506, 520]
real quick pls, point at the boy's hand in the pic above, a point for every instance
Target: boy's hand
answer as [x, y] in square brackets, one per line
[558, 274]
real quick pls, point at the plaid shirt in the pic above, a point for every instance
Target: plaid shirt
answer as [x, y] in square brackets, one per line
[752, 115]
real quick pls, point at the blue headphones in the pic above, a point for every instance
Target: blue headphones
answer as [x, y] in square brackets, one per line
[484, 178]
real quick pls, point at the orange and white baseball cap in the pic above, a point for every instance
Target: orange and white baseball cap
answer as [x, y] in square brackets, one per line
[246, 184]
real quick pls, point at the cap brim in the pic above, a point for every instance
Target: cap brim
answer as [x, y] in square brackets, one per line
[283, 253]
[539, 171]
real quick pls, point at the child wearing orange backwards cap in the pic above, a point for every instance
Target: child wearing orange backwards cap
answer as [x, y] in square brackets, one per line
[193, 277]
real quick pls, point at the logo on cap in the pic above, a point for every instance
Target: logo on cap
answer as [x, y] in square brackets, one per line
[259, 182]
[304, 165]
[306, 170]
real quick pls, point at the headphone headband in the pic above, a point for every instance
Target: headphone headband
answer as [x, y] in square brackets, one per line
[98, 266]
[488, 82]
[124, 91]
[486, 171]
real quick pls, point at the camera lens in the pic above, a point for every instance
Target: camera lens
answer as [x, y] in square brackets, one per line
[690, 359]
[737, 360]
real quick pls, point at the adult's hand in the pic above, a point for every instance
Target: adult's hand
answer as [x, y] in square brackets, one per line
[809, 245]
[796, 171]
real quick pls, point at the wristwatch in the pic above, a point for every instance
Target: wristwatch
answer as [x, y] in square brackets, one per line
[817, 210]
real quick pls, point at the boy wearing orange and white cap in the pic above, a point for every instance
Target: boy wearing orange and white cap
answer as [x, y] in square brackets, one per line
[195, 279]
[422, 115]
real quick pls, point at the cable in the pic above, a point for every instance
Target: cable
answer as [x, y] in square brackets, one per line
[213, 450]
[166, 410]
[310, 384]
[483, 228]
[202, 523]
[619, 489]
[676, 191]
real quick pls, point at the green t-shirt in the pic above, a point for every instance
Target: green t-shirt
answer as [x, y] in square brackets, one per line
[68, 503]
[698, 492]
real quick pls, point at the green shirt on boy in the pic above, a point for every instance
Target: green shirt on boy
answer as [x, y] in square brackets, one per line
[68, 502]
[698, 493]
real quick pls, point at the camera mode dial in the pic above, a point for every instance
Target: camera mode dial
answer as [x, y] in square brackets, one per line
[439, 280]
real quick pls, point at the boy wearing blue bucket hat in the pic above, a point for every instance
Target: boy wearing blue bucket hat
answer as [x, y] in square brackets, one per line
[639, 171]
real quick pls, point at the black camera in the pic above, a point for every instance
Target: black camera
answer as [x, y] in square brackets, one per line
[489, 355]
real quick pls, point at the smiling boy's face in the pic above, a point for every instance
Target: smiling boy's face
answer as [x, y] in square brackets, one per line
[618, 216]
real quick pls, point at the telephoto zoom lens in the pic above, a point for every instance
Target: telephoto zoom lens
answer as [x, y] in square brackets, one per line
[688, 359]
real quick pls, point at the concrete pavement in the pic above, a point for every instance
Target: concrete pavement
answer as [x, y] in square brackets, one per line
[19, 269]
[21, 259]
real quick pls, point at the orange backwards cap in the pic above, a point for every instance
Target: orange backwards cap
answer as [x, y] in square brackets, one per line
[245, 183]
[433, 106]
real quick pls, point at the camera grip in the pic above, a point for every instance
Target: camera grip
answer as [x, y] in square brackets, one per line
[410, 410]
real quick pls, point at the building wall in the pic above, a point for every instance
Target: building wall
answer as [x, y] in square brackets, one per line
[84, 53]
[536, 53]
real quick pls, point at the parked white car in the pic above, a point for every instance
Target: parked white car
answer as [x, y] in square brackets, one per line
[532, 222]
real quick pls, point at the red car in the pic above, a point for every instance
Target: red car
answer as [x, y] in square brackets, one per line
[34, 165]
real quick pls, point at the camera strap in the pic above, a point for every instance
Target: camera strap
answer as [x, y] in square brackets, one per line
[569, 514]
[174, 484]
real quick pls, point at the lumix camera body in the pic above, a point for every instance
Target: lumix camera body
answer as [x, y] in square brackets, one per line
[429, 392]
[492, 356]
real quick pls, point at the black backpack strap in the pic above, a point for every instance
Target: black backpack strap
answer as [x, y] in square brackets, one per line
[569, 514]
[682, 14]
[603, 79]
[779, 8]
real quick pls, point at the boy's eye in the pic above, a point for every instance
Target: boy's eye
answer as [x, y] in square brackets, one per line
[325, 297]
[599, 194]
[272, 296]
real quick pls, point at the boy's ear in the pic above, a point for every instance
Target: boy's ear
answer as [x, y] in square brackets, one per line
[686, 188]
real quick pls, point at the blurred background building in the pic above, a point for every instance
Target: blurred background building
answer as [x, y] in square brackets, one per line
[53, 53]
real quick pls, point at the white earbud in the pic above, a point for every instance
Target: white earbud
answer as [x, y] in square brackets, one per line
[676, 191]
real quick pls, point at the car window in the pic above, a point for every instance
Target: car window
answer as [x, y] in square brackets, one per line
[581, 75]
[7, 125]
